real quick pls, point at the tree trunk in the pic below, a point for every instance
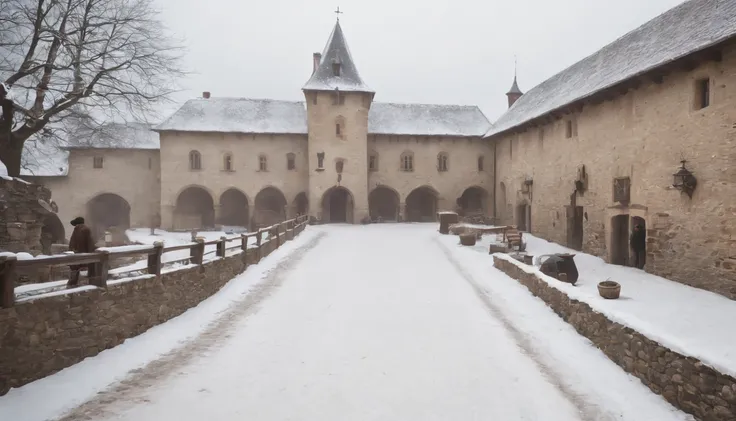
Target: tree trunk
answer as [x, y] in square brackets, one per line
[11, 150]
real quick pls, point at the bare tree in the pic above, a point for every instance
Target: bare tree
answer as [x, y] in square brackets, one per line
[81, 60]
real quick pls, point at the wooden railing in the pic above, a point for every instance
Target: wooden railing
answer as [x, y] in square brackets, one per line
[11, 267]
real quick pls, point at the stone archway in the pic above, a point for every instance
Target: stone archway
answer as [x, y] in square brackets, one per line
[421, 205]
[473, 201]
[107, 210]
[270, 207]
[234, 208]
[384, 202]
[337, 205]
[195, 209]
[52, 232]
[301, 204]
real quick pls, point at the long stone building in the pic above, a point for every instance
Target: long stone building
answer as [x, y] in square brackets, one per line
[579, 159]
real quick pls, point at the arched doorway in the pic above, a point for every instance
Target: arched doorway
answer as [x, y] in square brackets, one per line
[337, 205]
[642, 223]
[383, 202]
[107, 210]
[421, 205]
[52, 232]
[233, 208]
[473, 201]
[620, 240]
[195, 209]
[301, 204]
[524, 217]
[270, 207]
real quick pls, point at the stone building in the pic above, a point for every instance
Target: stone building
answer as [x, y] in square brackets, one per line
[587, 154]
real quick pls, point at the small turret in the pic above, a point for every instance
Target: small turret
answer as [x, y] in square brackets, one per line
[514, 93]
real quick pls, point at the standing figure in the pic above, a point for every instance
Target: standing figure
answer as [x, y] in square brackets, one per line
[81, 241]
[638, 246]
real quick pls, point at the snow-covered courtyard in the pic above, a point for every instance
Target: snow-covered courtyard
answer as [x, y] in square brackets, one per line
[378, 322]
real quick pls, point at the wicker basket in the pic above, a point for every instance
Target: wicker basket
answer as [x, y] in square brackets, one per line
[609, 289]
[467, 239]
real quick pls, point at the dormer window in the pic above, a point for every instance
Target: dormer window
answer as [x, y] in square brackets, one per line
[336, 69]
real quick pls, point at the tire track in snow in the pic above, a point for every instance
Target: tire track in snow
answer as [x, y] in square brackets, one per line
[132, 389]
[587, 410]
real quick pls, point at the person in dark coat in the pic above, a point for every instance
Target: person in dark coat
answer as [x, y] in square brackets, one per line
[81, 241]
[639, 246]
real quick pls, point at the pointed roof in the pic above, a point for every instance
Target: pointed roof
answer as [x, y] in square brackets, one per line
[515, 88]
[336, 51]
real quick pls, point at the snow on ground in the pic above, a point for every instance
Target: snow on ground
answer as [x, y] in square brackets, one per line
[49, 397]
[376, 322]
[688, 320]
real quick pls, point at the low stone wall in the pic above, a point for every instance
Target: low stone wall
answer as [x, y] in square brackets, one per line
[683, 381]
[43, 336]
[21, 215]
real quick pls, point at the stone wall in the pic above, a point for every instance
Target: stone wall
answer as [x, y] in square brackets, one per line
[641, 134]
[21, 216]
[43, 336]
[683, 381]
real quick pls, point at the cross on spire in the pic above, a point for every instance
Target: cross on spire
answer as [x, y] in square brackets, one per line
[338, 13]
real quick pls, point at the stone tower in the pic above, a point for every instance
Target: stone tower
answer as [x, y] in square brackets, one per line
[338, 102]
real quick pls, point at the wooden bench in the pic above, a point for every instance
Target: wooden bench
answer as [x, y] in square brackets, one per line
[512, 237]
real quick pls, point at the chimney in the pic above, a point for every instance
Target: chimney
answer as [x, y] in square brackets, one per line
[206, 95]
[316, 58]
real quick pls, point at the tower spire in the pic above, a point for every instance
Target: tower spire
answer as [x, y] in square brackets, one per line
[338, 13]
[514, 93]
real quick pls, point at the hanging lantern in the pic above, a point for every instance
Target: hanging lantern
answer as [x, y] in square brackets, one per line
[684, 180]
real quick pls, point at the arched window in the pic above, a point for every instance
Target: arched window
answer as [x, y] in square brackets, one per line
[407, 161]
[195, 160]
[442, 162]
[290, 161]
[227, 162]
[262, 163]
[373, 161]
[340, 127]
[339, 165]
[480, 163]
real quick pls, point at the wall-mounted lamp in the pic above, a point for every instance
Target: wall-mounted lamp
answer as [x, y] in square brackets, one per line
[684, 180]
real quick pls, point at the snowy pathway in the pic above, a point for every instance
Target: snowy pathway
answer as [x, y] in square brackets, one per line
[372, 323]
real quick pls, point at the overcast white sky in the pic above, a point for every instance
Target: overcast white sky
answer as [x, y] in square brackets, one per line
[419, 51]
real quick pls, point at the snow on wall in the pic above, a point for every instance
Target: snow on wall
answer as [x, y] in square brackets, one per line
[687, 28]
[426, 119]
[238, 115]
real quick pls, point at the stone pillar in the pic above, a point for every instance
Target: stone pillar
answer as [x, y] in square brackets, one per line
[167, 217]
[218, 214]
[402, 212]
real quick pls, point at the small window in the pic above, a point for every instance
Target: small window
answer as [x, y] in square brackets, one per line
[97, 162]
[480, 163]
[407, 162]
[339, 165]
[442, 162]
[320, 160]
[373, 162]
[337, 129]
[568, 129]
[702, 92]
[227, 163]
[622, 190]
[336, 69]
[290, 161]
[262, 163]
[336, 97]
[195, 160]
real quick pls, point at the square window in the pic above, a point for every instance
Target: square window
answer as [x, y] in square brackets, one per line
[97, 162]
[702, 93]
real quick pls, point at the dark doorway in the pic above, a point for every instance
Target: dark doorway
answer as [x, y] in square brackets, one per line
[195, 209]
[574, 216]
[270, 207]
[421, 205]
[52, 232]
[620, 240]
[301, 204]
[105, 211]
[472, 201]
[233, 208]
[337, 205]
[524, 217]
[383, 203]
[636, 220]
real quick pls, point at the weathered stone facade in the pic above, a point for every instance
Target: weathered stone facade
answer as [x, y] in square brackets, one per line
[683, 381]
[641, 132]
[21, 215]
[42, 336]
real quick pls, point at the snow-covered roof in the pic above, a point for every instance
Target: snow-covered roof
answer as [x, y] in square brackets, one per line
[683, 30]
[336, 52]
[426, 120]
[238, 115]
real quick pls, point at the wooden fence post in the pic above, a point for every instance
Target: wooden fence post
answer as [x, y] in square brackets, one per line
[197, 251]
[278, 235]
[8, 276]
[154, 260]
[221, 246]
[101, 269]
[244, 247]
[258, 243]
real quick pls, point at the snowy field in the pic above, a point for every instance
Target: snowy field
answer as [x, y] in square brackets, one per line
[377, 322]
